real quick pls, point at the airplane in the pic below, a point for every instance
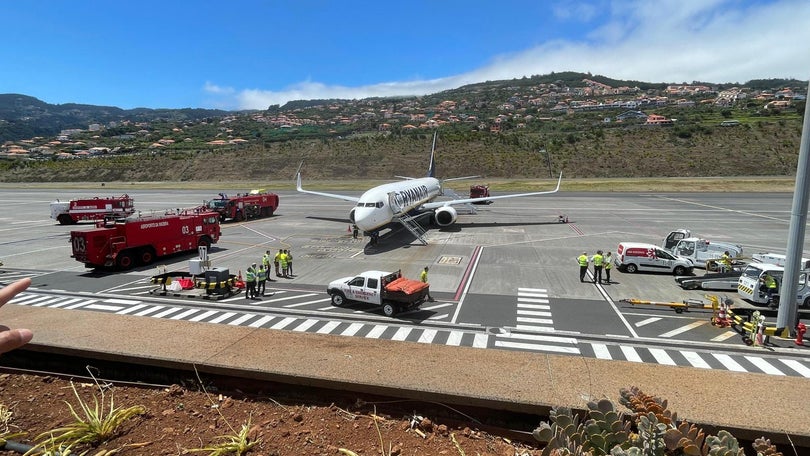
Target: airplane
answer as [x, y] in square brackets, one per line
[404, 200]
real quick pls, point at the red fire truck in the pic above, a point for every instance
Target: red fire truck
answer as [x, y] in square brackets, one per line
[124, 243]
[480, 191]
[92, 209]
[257, 203]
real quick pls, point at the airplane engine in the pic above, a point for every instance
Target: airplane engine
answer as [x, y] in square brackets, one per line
[445, 216]
[351, 215]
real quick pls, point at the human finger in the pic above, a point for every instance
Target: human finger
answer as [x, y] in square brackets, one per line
[14, 338]
[12, 289]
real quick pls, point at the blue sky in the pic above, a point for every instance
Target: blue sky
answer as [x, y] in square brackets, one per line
[249, 54]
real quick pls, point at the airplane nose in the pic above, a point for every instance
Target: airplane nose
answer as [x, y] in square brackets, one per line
[364, 218]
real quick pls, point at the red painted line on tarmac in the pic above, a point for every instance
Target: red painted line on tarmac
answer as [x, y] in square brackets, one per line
[467, 273]
[576, 229]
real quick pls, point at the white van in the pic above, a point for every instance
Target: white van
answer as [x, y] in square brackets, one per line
[634, 256]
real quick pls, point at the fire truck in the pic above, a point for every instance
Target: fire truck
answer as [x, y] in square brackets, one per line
[480, 191]
[124, 243]
[243, 206]
[92, 209]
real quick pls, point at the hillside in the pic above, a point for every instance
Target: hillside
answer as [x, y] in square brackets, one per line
[766, 148]
[587, 126]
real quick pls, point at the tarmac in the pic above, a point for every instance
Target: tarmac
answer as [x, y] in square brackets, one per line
[747, 405]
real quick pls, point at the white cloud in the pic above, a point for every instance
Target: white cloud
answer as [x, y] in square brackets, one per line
[662, 41]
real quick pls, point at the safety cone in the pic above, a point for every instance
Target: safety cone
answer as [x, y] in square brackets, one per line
[349, 229]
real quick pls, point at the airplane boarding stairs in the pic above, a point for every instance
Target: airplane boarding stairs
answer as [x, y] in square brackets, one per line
[410, 223]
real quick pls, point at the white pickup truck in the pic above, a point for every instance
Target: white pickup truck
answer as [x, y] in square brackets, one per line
[387, 289]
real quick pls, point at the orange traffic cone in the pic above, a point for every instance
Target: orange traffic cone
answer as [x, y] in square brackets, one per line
[349, 229]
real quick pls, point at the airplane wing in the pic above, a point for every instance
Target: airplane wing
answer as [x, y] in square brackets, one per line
[330, 195]
[438, 204]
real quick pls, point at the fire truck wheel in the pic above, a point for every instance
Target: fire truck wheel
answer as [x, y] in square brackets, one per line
[146, 256]
[64, 219]
[338, 300]
[389, 309]
[204, 242]
[240, 217]
[124, 260]
[269, 211]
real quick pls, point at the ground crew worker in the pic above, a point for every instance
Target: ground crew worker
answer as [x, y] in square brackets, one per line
[769, 283]
[583, 266]
[277, 262]
[725, 262]
[282, 261]
[250, 280]
[261, 280]
[597, 259]
[608, 266]
[289, 262]
[423, 278]
[355, 231]
[266, 263]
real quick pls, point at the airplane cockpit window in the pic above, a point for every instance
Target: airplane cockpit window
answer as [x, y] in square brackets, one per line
[360, 204]
[379, 204]
[369, 204]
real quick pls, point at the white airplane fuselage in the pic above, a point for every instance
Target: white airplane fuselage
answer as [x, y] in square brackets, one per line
[379, 206]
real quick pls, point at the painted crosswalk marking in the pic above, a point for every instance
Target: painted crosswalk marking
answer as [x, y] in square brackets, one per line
[534, 332]
[797, 366]
[764, 366]
[601, 351]
[662, 357]
[631, 354]
[728, 362]
[695, 360]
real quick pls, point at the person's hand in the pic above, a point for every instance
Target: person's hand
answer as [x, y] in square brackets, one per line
[13, 338]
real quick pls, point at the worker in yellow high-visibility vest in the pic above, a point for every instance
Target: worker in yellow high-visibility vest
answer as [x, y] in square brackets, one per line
[597, 260]
[583, 266]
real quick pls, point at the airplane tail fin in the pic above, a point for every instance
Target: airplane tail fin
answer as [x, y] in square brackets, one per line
[432, 168]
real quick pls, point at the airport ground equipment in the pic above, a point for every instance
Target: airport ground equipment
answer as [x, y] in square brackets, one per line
[726, 281]
[92, 209]
[390, 290]
[699, 251]
[124, 243]
[243, 206]
[213, 283]
[750, 285]
[678, 307]
[480, 191]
